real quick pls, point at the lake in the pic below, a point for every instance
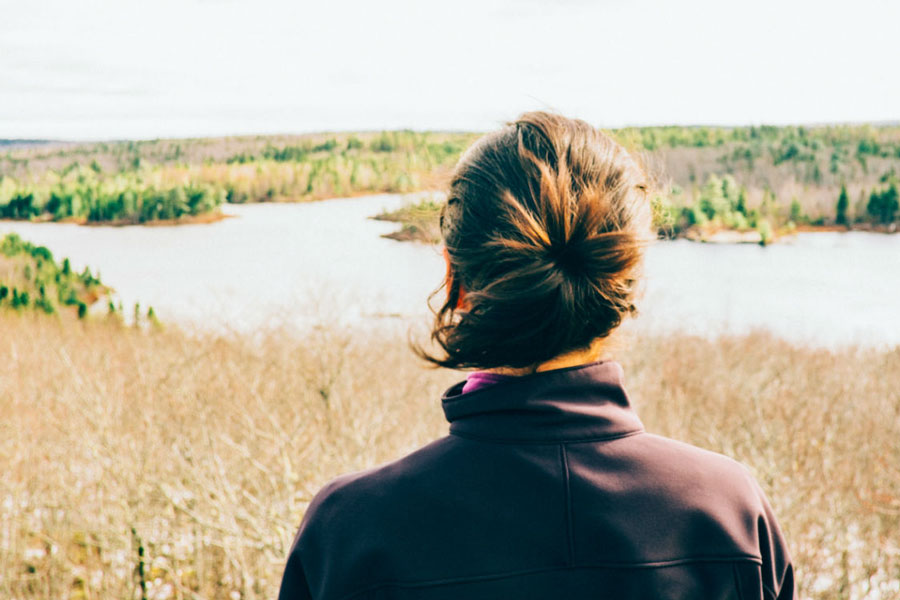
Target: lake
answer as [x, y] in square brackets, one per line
[278, 264]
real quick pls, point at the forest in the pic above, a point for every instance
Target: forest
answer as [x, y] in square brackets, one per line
[762, 179]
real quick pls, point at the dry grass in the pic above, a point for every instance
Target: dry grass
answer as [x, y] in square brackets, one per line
[201, 453]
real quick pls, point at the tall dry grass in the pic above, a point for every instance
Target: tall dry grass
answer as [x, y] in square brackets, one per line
[158, 464]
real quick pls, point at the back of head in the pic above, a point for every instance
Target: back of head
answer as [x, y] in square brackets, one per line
[545, 226]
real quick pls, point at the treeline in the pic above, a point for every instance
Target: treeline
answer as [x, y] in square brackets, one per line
[114, 157]
[882, 206]
[406, 141]
[720, 204]
[140, 192]
[389, 162]
[785, 142]
[723, 204]
[794, 173]
[87, 195]
[30, 278]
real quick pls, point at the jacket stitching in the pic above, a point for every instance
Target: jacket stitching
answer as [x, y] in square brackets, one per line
[568, 490]
[737, 581]
[510, 574]
[519, 441]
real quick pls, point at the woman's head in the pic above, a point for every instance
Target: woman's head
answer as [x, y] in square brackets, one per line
[544, 227]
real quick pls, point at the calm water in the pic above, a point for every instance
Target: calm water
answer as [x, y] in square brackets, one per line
[276, 263]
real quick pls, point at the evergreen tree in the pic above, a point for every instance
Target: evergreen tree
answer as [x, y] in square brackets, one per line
[842, 204]
[882, 205]
[151, 318]
[742, 201]
[890, 203]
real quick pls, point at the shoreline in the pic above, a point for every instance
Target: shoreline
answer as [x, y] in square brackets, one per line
[210, 217]
[201, 219]
[420, 232]
[734, 236]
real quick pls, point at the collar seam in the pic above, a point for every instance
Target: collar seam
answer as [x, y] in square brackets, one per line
[520, 378]
[553, 442]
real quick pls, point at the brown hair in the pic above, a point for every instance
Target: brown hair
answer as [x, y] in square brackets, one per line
[544, 226]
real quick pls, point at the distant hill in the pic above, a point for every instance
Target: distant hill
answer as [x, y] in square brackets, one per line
[17, 143]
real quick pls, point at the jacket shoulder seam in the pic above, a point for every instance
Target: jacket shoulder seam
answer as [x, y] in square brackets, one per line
[521, 441]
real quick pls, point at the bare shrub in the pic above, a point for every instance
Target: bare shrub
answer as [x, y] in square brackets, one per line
[159, 464]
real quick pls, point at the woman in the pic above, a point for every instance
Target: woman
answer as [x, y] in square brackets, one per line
[547, 485]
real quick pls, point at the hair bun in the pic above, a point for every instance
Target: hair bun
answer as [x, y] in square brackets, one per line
[545, 226]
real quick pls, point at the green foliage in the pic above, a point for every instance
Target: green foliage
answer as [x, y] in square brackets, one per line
[843, 204]
[721, 203]
[797, 215]
[326, 146]
[43, 303]
[791, 151]
[884, 204]
[665, 215]
[820, 156]
[383, 143]
[43, 284]
[766, 232]
[288, 153]
[141, 181]
[152, 318]
[741, 205]
[123, 198]
[389, 161]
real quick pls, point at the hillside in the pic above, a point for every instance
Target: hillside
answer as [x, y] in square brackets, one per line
[30, 279]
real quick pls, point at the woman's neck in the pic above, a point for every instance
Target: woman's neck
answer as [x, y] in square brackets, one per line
[569, 359]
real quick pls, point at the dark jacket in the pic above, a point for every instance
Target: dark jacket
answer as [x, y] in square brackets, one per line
[547, 487]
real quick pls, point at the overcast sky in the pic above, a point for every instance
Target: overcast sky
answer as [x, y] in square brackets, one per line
[100, 69]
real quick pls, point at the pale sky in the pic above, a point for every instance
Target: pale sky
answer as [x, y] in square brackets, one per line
[104, 69]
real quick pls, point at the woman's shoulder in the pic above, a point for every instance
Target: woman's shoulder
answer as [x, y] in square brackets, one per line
[356, 495]
[700, 474]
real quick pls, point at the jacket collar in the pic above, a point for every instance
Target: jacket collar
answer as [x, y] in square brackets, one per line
[575, 403]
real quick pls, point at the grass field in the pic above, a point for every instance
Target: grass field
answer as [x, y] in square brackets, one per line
[150, 462]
